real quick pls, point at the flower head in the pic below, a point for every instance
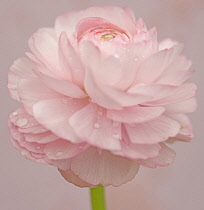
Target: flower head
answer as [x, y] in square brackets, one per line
[100, 97]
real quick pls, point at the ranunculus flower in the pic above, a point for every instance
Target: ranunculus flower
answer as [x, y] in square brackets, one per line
[100, 97]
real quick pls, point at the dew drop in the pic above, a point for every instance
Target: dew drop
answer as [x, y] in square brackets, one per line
[21, 122]
[59, 154]
[15, 113]
[96, 125]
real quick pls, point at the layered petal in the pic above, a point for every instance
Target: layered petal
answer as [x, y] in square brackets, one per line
[103, 168]
[165, 157]
[152, 132]
[54, 114]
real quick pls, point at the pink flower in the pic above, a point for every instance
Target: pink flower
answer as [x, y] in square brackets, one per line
[100, 97]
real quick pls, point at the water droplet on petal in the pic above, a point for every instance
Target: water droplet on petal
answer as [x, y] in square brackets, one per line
[96, 125]
[15, 113]
[21, 122]
[59, 154]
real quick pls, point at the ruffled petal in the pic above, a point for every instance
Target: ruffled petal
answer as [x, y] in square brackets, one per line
[115, 15]
[165, 158]
[63, 149]
[103, 168]
[91, 124]
[153, 66]
[186, 130]
[72, 178]
[21, 69]
[135, 114]
[32, 91]
[152, 132]
[186, 106]
[54, 114]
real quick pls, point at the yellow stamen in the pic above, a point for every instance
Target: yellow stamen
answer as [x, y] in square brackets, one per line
[108, 36]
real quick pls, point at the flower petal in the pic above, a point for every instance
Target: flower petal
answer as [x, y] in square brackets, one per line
[91, 124]
[135, 114]
[21, 69]
[103, 169]
[54, 114]
[165, 158]
[72, 178]
[62, 149]
[152, 132]
[153, 66]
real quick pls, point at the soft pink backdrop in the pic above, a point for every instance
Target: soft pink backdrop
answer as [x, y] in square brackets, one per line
[25, 185]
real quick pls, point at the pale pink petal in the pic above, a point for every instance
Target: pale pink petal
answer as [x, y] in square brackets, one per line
[138, 151]
[21, 69]
[165, 158]
[63, 149]
[62, 86]
[115, 15]
[42, 138]
[72, 178]
[32, 91]
[70, 60]
[91, 124]
[90, 23]
[45, 48]
[186, 106]
[135, 114]
[181, 93]
[54, 114]
[186, 130]
[167, 44]
[26, 123]
[103, 169]
[175, 78]
[152, 132]
[153, 66]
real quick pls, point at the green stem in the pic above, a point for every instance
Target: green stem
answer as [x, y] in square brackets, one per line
[98, 198]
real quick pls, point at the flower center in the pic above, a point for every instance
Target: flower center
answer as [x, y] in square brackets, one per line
[108, 36]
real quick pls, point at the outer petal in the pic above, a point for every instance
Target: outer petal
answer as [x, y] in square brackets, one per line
[115, 15]
[103, 169]
[153, 66]
[72, 178]
[54, 114]
[154, 131]
[91, 124]
[165, 157]
[21, 69]
[32, 91]
[186, 106]
[135, 114]
[62, 149]
[62, 86]
[70, 60]
[186, 131]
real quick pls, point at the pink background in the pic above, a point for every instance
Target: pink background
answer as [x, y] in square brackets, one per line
[25, 185]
